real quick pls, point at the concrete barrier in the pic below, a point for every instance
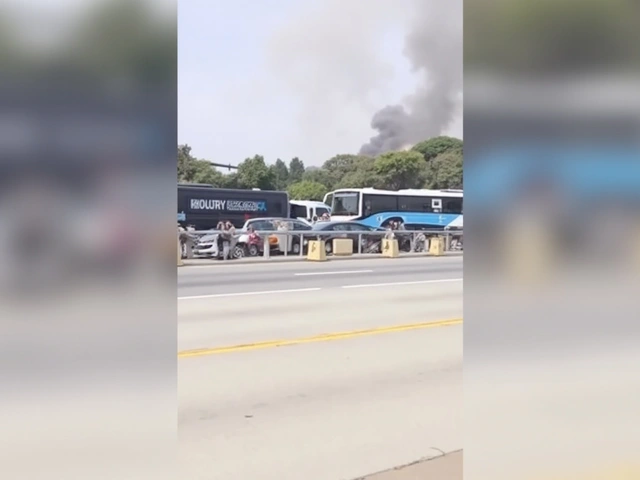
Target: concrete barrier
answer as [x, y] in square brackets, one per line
[390, 248]
[316, 251]
[436, 246]
[342, 247]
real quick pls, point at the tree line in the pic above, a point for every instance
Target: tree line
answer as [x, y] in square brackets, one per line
[434, 163]
[548, 36]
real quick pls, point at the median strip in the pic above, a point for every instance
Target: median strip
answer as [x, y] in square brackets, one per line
[317, 338]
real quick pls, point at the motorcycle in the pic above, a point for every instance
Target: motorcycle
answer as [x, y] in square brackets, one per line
[371, 245]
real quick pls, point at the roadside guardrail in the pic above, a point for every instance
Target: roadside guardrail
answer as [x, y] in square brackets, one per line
[266, 244]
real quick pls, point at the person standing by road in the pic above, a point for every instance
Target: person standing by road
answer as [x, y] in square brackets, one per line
[220, 238]
[230, 239]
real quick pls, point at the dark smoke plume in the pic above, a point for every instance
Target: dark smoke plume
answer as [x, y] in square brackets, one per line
[434, 47]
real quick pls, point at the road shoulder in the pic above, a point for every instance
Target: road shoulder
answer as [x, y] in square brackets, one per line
[442, 467]
[294, 259]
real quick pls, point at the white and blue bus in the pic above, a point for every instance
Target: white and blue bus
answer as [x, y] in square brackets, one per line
[561, 158]
[416, 209]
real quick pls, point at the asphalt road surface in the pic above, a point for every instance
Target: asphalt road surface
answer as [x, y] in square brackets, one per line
[222, 279]
[552, 378]
[341, 370]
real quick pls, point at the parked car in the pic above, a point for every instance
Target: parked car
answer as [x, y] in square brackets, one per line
[327, 231]
[277, 242]
[207, 246]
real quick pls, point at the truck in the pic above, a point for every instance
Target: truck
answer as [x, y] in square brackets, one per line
[308, 210]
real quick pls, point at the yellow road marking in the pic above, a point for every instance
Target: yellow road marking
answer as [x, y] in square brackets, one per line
[317, 338]
[620, 473]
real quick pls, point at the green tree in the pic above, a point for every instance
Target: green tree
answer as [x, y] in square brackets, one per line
[296, 170]
[339, 166]
[280, 174]
[445, 171]
[186, 164]
[318, 175]
[435, 146]
[306, 190]
[230, 181]
[363, 175]
[546, 36]
[192, 170]
[124, 39]
[204, 172]
[402, 169]
[254, 173]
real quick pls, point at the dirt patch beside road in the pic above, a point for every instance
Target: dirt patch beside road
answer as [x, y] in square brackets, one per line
[443, 467]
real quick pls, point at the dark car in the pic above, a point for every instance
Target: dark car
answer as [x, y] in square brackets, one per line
[327, 231]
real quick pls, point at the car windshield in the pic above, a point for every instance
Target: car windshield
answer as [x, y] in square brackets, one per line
[259, 225]
[345, 203]
[321, 211]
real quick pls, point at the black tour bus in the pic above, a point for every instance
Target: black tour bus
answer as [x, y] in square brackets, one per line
[203, 206]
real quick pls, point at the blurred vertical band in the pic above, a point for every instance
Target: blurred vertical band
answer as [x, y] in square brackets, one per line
[552, 180]
[87, 239]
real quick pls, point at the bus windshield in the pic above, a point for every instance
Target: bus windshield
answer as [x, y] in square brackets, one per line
[345, 204]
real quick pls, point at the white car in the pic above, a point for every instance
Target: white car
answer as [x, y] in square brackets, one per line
[271, 225]
[207, 246]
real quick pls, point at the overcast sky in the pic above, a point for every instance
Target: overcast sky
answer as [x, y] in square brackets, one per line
[285, 78]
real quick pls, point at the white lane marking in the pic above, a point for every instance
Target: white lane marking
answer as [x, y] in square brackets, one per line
[293, 261]
[372, 285]
[242, 294]
[331, 272]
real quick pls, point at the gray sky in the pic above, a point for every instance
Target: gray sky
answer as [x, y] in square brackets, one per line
[284, 78]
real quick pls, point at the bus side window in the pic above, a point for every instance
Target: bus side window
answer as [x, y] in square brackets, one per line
[381, 203]
[452, 205]
[415, 204]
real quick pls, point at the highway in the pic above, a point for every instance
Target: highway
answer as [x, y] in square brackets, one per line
[320, 371]
[552, 371]
[225, 278]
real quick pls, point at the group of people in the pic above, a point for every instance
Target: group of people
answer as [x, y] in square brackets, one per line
[395, 225]
[227, 235]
